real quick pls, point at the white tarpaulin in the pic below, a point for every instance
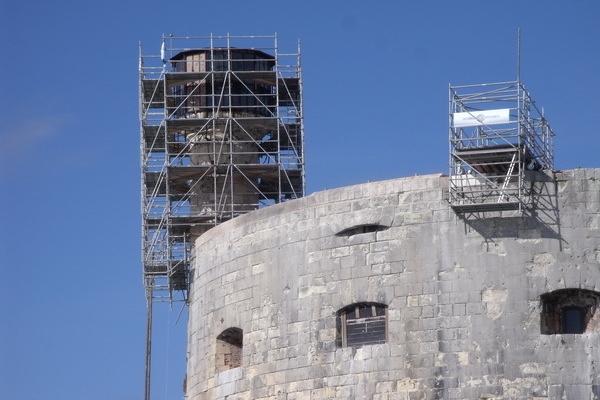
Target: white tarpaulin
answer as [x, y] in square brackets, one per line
[478, 118]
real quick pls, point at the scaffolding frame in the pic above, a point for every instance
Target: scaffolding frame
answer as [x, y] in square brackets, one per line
[496, 135]
[221, 134]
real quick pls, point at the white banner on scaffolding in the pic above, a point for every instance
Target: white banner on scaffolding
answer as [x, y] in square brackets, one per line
[478, 118]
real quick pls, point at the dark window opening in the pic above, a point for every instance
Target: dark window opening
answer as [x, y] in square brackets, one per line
[573, 319]
[361, 324]
[229, 349]
[569, 311]
[365, 228]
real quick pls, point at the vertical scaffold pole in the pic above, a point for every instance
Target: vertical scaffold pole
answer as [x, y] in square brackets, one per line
[519, 55]
[519, 131]
[148, 361]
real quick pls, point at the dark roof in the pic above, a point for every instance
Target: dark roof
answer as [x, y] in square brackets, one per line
[207, 50]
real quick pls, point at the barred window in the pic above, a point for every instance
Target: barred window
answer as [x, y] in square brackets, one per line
[569, 311]
[361, 324]
[229, 349]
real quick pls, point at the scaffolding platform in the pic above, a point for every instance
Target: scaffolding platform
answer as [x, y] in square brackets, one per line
[496, 134]
[482, 207]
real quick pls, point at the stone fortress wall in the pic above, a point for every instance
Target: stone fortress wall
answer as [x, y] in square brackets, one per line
[463, 295]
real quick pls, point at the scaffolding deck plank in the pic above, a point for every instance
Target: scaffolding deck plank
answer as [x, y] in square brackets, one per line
[245, 121]
[173, 78]
[183, 219]
[485, 207]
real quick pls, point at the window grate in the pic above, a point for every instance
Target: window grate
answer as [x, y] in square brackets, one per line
[362, 324]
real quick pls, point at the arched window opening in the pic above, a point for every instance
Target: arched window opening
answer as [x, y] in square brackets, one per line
[361, 324]
[364, 228]
[229, 349]
[569, 311]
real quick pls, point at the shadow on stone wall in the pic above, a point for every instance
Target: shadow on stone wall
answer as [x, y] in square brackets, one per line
[541, 219]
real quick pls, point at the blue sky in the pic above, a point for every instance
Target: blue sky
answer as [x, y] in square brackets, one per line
[376, 77]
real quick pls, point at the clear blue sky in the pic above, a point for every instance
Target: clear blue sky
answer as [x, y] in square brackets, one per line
[376, 77]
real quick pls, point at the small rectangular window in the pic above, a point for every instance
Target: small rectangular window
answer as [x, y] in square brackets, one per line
[573, 320]
[362, 324]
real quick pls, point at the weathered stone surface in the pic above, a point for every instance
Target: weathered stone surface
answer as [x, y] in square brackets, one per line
[463, 296]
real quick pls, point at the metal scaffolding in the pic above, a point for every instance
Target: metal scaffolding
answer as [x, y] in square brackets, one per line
[497, 134]
[221, 134]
